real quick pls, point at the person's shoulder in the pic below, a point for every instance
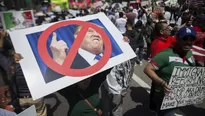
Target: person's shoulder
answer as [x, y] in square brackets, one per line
[166, 53]
[155, 42]
[118, 19]
[124, 19]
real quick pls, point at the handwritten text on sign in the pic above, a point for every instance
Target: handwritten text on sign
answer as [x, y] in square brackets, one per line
[187, 87]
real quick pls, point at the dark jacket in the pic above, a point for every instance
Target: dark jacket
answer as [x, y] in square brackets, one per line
[78, 63]
[9, 79]
[135, 37]
[140, 40]
[18, 78]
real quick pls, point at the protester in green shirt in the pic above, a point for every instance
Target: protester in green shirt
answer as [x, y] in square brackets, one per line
[83, 97]
[161, 66]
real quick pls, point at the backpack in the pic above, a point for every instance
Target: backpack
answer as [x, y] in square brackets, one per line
[149, 33]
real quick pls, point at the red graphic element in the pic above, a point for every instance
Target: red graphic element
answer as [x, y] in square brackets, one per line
[65, 69]
[28, 15]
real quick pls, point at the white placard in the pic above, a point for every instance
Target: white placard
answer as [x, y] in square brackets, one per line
[187, 87]
[124, 4]
[35, 69]
[31, 111]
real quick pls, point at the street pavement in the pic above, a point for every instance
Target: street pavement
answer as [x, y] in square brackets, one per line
[136, 102]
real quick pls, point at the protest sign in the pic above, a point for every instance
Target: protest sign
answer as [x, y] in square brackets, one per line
[31, 111]
[49, 71]
[62, 3]
[187, 87]
[98, 4]
[124, 4]
[15, 20]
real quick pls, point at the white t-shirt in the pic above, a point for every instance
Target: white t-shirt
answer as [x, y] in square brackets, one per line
[144, 19]
[112, 18]
[167, 16]
[116, 15]
[120, 24]
[179, 22]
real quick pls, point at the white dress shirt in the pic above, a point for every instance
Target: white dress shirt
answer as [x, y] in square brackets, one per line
[89, 57]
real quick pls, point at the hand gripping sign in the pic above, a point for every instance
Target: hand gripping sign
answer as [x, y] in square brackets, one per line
[65, 69]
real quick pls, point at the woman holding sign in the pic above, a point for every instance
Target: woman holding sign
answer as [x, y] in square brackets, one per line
[162, 65]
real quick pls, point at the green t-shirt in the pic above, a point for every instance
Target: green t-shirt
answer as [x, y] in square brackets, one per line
[82, 108]
[165, 61]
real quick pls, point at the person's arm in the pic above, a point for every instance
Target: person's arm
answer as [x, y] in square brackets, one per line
[157, 63]
[149, 70]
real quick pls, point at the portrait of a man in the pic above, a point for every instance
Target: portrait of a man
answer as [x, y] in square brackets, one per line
[89, 53]
[60, 41]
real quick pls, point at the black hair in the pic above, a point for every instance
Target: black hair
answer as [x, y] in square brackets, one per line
[186, 17]
[138, 24]
[166, 8]
[159, 27]
[121, 14]
[129, 24]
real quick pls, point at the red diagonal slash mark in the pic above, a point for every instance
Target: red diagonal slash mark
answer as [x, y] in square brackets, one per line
[65, 67]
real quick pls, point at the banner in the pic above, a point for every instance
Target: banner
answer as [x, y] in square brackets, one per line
[15, 20]
[124, 4]
[80, 4]
[98, 4]
[199, 53]
[187, 87]
[60, 54]
[64, 4]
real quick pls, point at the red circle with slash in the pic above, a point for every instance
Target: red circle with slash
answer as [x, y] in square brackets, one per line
[65, 69]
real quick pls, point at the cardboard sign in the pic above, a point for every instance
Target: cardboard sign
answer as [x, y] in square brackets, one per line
[31, 111]
[49, 69]
[15, 20]
[187, 87]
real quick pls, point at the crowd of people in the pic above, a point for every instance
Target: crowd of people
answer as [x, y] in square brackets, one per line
[155, 35]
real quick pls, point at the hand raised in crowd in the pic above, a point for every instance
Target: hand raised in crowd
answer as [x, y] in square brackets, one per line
[17, 57]
[58, 49]
[3, 33]
[167, 89]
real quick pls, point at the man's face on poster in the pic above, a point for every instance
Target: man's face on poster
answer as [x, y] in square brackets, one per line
[92, 41]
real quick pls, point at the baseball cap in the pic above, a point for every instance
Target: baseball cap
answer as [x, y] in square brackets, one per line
[186, 31]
